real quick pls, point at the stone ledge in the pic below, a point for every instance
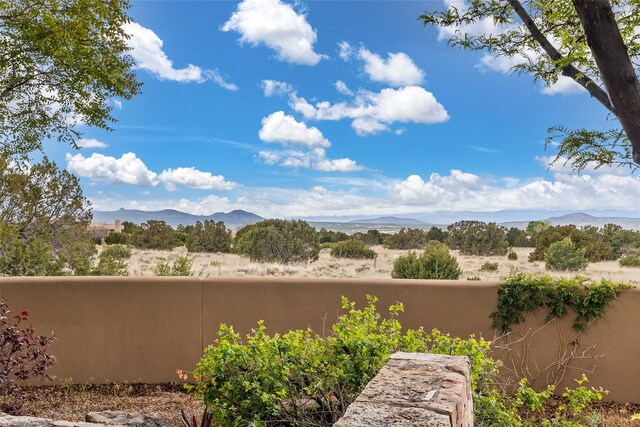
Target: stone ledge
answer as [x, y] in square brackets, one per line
[415, 389]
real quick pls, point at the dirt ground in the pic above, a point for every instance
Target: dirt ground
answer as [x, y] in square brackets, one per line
[143, 262]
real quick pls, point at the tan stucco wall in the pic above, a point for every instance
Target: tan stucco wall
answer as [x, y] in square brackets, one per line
[143, 329]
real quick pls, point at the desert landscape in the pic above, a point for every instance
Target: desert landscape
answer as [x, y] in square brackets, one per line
[143, 263]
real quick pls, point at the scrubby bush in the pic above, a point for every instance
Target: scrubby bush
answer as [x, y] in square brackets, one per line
[355, 249]
[371, 237]
[489, 266]
[629, 261]
[512, 256]
[116, 238]
[154, 234]
[305, 379]
[208, 237]
[434, 263]
[330, 236]
[587, 238]
[181, 267]
[23, 356]
[565, 256]
[112, 261]
[477, 238]
[407, 238]
[278, 240]
[438, 234]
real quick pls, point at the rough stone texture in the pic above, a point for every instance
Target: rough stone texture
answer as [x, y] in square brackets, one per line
[94, 419]
[14, 421]
[113, 418]
[415, 389]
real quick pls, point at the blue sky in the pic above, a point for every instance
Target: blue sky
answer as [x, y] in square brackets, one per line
[325, 109]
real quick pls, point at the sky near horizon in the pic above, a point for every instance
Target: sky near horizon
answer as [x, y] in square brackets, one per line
[325, 109]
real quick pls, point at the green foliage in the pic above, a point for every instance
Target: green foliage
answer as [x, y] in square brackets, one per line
[330, 236]
[154, 234]
[117, 251]
[595, 247]
[112, 261]
[434, 263]
[44, 221]
[277, 240]
[629, 261]
[407, 238]
[559, 22]
[181, 267]
[512, 256]
[513, 234]
[520, 293]
[437, 234]
[371, 237]
[69, 54]
[116, 238]
[489, 266]
[209, 237]
[354, 249]
[564, 256]
[477, 238]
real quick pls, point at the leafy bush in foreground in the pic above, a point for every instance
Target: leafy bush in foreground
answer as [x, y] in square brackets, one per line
[23, 355]
[304, 379]
[112, 261]
[181, 267]
[355, 249]
[434, 263]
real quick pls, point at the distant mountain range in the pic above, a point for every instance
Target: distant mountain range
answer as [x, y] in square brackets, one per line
[389, 220]
[234, 219]
[239, 218]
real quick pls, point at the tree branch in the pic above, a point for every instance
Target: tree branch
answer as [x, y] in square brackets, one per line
[568, 70]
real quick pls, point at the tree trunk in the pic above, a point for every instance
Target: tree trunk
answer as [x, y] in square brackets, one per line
[616, 70]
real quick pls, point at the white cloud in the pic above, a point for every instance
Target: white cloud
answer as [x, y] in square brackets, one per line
[563, 166]
[564, 85]
[283, 129]
[91, 143]
[146, 50]
[275, 87]
[342, 88]
[278, 26]
[345, 51]
[337, 165]
[194, 178]
[128, 169]
[374, 112]
[397, 70]
[118, 104]
[220, 81]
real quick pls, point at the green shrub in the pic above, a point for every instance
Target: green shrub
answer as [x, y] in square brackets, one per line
[154, 234]
[489, 266]
[278, 240]
[355, 249]
[208, 237]
[326, 245]
[434, 263]
[116, 238]
[477, 238]
[512, 256]
[629, 261]
[117, 251]
[181, 267]
[305, 379]
[407, 238]
[564, 256]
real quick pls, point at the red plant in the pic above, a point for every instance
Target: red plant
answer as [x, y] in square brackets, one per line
[23, 355]
[193, 422]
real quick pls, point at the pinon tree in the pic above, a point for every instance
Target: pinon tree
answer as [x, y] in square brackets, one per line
[593, 42]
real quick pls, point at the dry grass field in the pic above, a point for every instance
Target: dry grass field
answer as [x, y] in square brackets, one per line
[143, 262]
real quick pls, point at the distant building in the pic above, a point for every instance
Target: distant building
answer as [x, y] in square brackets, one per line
[100, 229]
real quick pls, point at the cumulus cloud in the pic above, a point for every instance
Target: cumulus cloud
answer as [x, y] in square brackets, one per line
[91, 143]
[342, 88]
[130, 170]
[397, 70]
[345, 51]
[194, 178]
[146, 50]
[283, 129]
[275, 87]
[118, 104]
[373, 112]
[311, 159]
[278, 26]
